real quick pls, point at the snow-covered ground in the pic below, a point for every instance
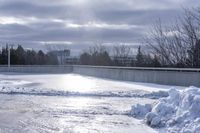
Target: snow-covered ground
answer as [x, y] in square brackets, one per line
[73, 103]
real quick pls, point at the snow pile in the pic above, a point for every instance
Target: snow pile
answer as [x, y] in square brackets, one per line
[157, 94]
[139, 110]
[179, 112]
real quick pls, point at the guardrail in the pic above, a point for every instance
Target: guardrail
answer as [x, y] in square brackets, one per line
[144, 68]
[37, 68]
[114, 67]
[167, 76]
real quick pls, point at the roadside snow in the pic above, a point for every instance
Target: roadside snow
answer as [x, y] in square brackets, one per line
[139, 110]
[9, 82]
[179, 112]
[58, 92]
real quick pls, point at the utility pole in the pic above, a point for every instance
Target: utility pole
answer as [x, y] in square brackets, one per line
[9, 46]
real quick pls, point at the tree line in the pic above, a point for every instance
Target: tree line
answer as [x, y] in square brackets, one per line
[20, 56]
[122, 55]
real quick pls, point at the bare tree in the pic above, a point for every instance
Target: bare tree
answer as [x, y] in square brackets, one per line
[97, 48]
[60, 51]
[96, 55]
[121, 53]
[55, 47]
[191, 33]
[175, 44]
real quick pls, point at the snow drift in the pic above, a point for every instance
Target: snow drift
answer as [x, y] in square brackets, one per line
[179, 112]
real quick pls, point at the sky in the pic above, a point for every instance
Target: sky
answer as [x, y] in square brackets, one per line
[77, 24]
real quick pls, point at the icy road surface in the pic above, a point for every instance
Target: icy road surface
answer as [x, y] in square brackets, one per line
[81, 104]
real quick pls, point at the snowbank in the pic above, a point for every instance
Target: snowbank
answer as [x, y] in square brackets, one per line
[179, 112]
[140, 110]
[60, 92]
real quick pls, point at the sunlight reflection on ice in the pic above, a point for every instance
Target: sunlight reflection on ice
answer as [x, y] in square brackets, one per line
[78, 83]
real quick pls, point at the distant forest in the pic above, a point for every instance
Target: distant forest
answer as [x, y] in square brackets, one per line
[20, 56]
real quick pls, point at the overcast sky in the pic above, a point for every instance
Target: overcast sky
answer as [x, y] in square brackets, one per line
[79, 23]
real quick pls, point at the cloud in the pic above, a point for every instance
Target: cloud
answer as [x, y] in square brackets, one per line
[80, 21]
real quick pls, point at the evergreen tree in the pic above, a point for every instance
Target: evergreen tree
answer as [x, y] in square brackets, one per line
[20, 55]
[196, 56]
[147, 61]
[13, 57]
[155, 62]
[41, 60]
[139, 58]
[4, 56]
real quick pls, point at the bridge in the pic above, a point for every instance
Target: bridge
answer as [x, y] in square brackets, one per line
[165, 76]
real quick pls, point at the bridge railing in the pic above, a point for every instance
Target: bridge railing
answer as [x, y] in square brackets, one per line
[167, 76]
[114, 67]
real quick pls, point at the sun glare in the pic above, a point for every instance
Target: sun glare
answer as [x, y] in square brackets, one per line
[78, 83]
